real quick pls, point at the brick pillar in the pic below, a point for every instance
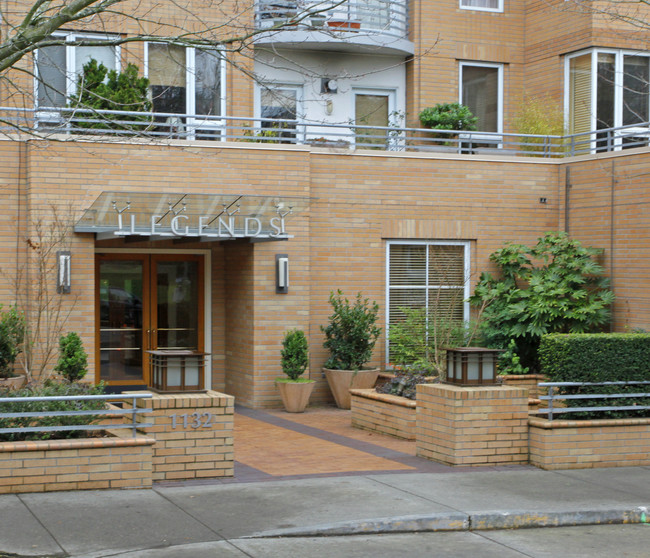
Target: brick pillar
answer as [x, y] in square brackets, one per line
[482, 425]
[193, 432]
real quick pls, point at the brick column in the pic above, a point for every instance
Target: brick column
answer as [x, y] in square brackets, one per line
[193, 432]
[483, 425]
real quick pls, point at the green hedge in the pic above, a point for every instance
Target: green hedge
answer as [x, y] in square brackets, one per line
[598, 357]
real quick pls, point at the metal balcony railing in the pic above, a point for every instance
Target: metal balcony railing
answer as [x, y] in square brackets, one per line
[386, 17]
[117, 125]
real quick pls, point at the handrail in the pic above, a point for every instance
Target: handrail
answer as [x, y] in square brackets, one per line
[552, 397]
[133, 412]
[79, 123]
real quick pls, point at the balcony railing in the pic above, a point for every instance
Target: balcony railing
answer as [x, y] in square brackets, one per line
[80, 124]
[386, 17]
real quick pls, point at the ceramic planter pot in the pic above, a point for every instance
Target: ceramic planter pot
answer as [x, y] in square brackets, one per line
[13, 383]
[295, 395]
[341, 381]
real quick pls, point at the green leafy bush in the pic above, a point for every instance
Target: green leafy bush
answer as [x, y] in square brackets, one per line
[50, 389]
[12, 336]
[542, 116]
[448, 116]
[554, 287]
[295, 353]
[510, 362]
[405, 384]
[73, 360]
[101, 89]
[603, 357]
[351, 333]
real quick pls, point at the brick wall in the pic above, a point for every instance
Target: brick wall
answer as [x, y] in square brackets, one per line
[383, 413]
[81, 464]
[472, 426]
[589, 443]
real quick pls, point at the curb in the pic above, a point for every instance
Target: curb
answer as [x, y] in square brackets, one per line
[479, 521]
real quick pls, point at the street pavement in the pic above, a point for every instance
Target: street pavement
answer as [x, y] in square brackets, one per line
[510, 512]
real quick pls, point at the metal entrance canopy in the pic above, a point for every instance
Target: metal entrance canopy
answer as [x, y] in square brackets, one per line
[208, 217]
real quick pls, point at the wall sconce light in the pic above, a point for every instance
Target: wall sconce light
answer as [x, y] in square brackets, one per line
[63, 279]
[470, 366]
[281, 273]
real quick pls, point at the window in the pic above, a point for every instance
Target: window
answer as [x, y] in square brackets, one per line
[481, 88]
[279, 102]
[373, 108]
[432, 276]
[189, 82]
[57, 68]
[608, 89]
[486, 5]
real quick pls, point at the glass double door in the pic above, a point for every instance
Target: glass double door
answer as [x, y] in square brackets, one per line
[146, 302]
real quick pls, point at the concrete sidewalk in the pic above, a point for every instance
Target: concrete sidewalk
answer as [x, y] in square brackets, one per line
[191, 519]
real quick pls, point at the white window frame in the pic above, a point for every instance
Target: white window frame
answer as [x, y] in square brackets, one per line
[298, 88]
[466, 278]
[618, 91]
[192, 123]
[480, 9]
[393, 144]
[70, 65]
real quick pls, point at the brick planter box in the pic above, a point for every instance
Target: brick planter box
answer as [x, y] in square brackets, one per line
[79, 464]
[383, 413]
[584, 444]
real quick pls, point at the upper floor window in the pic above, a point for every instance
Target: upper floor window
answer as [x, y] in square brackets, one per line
[481, 89]
[187, 81]
[607, 89]
[58, 66]
[486, 5]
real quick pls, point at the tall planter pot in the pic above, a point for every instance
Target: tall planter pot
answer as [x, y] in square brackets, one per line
[13, 383]
[295, 395]
[342, 381]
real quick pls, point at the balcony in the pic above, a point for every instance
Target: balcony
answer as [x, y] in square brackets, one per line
[106, 126]
[377, 26]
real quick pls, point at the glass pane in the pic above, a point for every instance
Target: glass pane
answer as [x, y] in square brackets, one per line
[635, 89]
[446, 265]
[373, 14]
[446, 304]
[605, 91]
[481, 95]
[120, 309]
[407, 265]
[492, 4]
[371, 110]
[51, 65]
[580, 94]
[207, 75]
[103, 54]
[177, 305]
[281, 104]
[166, 74]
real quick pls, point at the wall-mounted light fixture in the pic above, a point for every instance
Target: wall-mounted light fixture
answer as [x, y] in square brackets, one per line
[282, 273]
[63, 279]
[329, 85]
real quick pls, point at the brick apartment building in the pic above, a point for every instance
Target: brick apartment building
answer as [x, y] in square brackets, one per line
[215, 231]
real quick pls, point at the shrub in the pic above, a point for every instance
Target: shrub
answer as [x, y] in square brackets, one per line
[405, 384]
[603, 357]
[295, 353]
[73, 360]
[351, 333]
[12, 336]
[50, 389]
[563, 292]
[448, 116]
[542, 116]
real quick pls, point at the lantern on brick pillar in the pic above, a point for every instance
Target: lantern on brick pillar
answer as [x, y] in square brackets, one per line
[472, 366]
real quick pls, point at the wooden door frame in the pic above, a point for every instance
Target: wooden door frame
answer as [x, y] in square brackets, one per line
[204, 258]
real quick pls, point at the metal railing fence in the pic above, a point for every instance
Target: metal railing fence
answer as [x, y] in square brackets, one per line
[119, 125]
[553, 397]
[34, 416]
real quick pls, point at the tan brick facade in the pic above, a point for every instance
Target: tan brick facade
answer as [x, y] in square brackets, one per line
[473, 426]
[383, 413]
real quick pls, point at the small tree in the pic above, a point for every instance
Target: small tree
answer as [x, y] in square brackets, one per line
[12, 336]
[448, 116]
[295, 353]
[563, 292]
[73, 360]
[101, 89]
[351, 333]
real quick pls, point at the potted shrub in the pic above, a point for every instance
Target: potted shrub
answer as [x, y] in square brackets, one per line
[12, 335]
[73, 360]
[448, 116]
[294, 390]
[350, 338]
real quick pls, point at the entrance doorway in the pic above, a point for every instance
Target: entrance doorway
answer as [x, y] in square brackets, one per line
[146, 302]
